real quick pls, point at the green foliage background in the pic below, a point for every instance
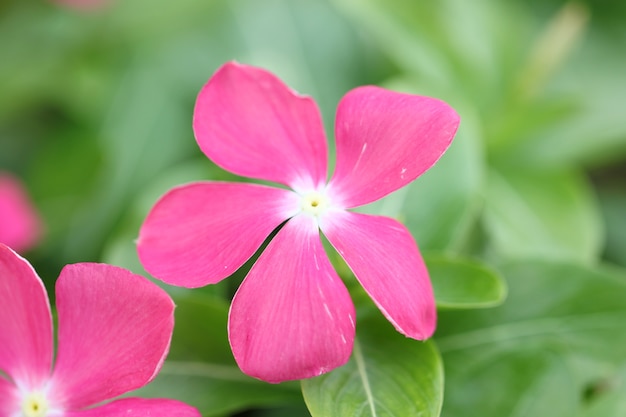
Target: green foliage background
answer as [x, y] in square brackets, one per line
[523, 221]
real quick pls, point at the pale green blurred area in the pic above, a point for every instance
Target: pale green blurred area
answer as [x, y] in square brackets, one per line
[96, 108]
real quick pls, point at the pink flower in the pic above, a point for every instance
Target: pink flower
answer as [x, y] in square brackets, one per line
[20, 226]
[292, 317]
[114, 333]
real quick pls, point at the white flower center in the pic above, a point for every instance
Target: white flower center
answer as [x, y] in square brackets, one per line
[314, 203]
[35, 404]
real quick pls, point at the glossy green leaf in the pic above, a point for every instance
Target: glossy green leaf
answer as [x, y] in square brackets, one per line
[387, 376]
[200, 369]
[464, 283]
[523, 357]
[544, 214]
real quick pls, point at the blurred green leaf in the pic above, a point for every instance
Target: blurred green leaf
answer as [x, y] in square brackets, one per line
[299, 410]
[464, 283]
[146, 131]
[594, 131]
[387, 376]
[36, 41]
[525, 382]
[545, 214]
[613, 206]
[474, 48]
[200, 369]
[522, 358]
[610, 397]
[164, 22]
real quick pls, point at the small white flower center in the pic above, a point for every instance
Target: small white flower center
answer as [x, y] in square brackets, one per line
[314, 203]
[35, 404]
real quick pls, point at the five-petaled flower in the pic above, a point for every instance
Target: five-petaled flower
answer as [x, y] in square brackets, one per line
[114, 333]
[20, 226]
[292, 316]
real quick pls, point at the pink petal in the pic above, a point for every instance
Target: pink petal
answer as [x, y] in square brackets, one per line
[200, 233]
[292, 317]
[25, 322]
[385, 259]
[138, 407]
[20, 226]
[250, 123]
[9, 398]
[114, 333]
[385, 140]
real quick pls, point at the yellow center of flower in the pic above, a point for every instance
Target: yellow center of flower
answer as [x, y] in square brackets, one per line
[314, 203]
[34, 405]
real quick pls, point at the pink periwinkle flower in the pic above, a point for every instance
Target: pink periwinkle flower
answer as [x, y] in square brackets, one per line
[114, 333]
[20, 225]
[292, 316]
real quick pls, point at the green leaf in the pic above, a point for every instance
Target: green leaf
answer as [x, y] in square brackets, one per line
[610, 398]
[613, 206]
[544, 214]
[154, 119]
[200, 369]
[298, 410]
[523, 358]
[464, 283]
[596, 131]
[473, 47]
[519, 383]
[36, 43]
[387, 376]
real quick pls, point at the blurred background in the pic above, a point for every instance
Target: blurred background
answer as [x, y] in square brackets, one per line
[96, 101]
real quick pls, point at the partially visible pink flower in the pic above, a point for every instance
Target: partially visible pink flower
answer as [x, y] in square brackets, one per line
[114, 333]
[20, 226]
[292, 317]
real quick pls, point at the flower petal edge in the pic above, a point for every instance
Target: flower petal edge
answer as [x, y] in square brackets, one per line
[292, 317]
[385, 259]
[115, 329]
[26, 341]
[200, 233]
[250, 123]
[385, 140]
